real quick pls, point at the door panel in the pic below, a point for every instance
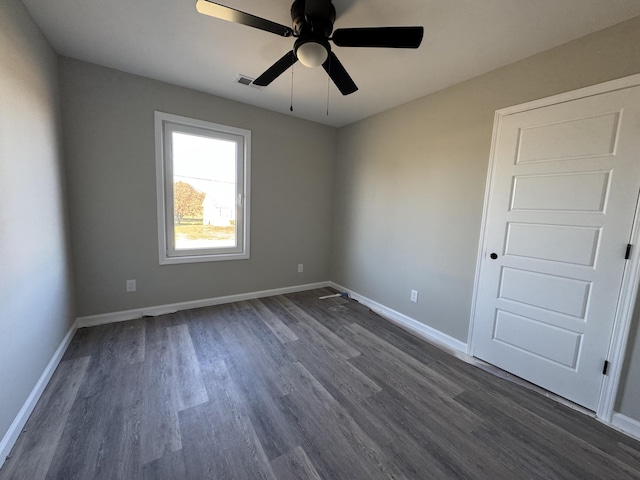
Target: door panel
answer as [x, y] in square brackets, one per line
[564, 187]
[559, 243]
[569, 192]
[539, 338]
[540, 290]
[574, 138]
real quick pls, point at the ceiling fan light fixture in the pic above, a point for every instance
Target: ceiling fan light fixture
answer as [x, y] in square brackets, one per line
[312, 54]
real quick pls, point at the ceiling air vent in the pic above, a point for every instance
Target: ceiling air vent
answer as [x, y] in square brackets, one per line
[246, 81]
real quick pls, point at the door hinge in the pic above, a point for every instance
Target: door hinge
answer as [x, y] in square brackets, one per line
[606, 367]
[628, 252]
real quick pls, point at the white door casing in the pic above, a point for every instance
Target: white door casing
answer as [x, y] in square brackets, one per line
[559, 214]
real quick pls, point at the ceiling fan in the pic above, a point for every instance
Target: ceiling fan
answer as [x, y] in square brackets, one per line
[312, 28]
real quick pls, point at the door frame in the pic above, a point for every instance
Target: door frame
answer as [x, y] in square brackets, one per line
[631, 275]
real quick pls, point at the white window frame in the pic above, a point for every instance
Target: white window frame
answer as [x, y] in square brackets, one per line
[165, 124]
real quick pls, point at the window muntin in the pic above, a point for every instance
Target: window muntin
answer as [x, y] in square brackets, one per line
[203, 180]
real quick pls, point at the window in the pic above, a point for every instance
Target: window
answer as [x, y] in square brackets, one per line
[202, 173]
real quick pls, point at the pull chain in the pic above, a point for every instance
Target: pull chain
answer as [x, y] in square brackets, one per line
[291, 107]
[328, 85]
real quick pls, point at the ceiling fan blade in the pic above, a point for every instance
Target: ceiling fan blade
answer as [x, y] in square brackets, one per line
[385, 37]
[339, 75]
[277, 69]
[232, 15]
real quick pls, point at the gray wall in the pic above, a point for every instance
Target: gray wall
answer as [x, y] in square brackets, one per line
[35, 285]
[628, 401]
[410, 181]
[109, 146]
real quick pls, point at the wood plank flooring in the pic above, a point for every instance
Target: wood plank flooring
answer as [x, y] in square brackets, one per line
[292, 388]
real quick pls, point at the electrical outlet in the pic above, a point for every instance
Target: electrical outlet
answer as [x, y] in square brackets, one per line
[131, 285]
[414, 296]
[300, 267]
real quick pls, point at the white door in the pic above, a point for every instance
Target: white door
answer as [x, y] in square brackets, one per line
[564, 187]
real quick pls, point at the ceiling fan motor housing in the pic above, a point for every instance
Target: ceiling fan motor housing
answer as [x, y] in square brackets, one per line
[315, 19]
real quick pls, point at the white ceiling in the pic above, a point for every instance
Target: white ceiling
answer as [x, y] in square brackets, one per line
[169, 41]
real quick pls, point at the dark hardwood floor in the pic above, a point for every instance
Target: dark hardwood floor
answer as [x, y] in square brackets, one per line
[293, 388]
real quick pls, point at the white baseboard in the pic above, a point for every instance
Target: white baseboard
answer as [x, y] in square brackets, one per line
[627, 424]
[102, 319]
[10, 438]
[412, 325]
